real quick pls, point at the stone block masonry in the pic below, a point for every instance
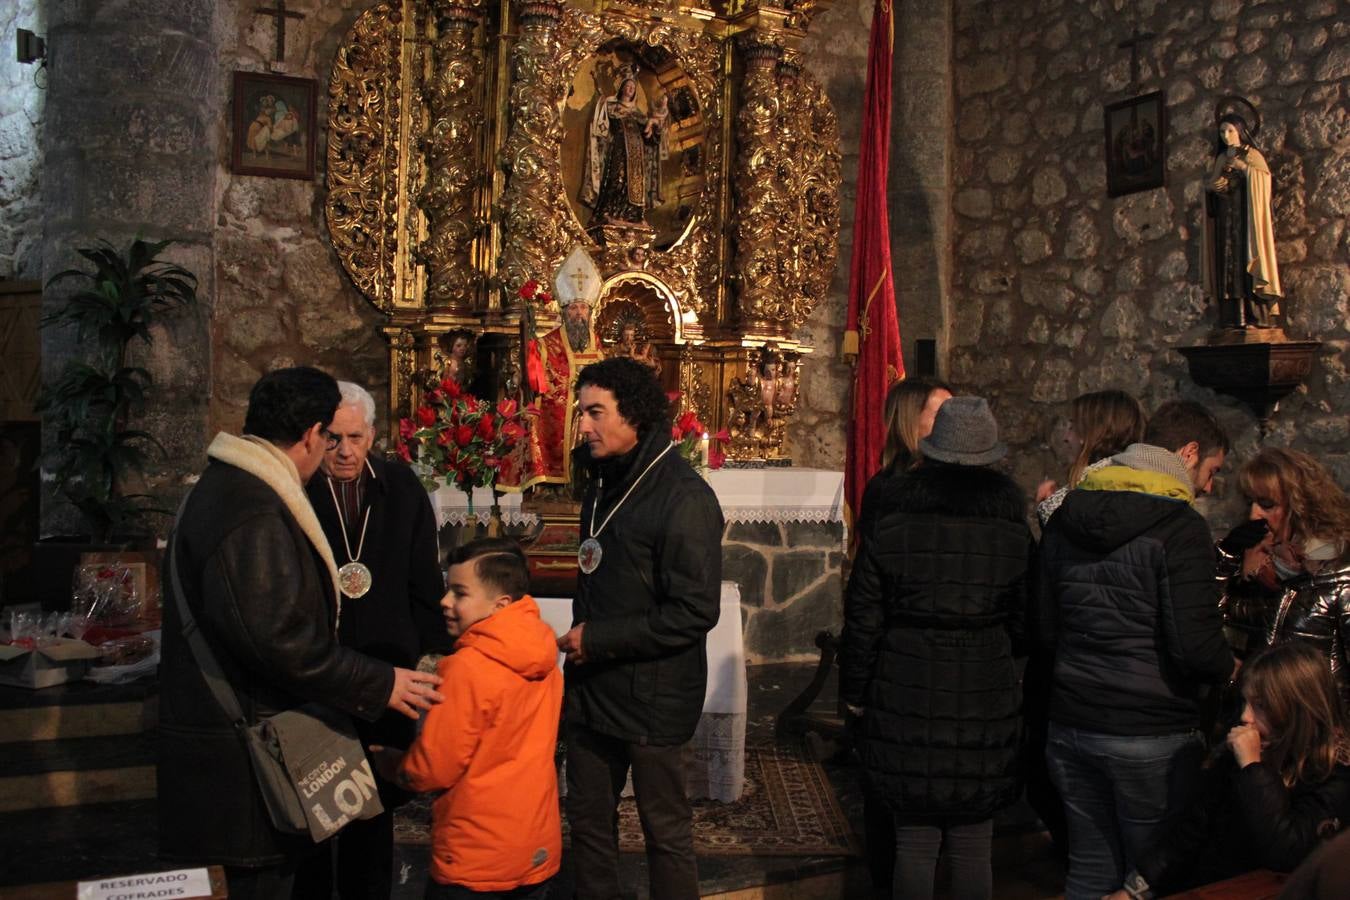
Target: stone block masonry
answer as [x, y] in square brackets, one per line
[1059, 289]
[791, 581]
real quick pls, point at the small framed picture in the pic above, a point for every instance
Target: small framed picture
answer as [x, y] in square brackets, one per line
[1136, 144]
[274, 125]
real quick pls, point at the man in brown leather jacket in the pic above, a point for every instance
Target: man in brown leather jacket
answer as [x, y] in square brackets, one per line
[259, 578]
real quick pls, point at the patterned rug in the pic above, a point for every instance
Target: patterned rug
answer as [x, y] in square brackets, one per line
[788, 809]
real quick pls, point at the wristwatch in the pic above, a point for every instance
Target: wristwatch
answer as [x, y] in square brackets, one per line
[1137, 886]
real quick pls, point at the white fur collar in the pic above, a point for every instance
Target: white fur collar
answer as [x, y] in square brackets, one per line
[266, 462]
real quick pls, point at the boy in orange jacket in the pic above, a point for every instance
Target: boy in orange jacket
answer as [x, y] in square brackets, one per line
[496, 831]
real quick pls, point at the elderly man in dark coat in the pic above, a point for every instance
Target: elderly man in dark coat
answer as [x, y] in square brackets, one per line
[381, 528]
[934, 608]
[259, 579]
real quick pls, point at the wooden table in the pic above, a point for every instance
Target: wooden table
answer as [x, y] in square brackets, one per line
[1261, 884]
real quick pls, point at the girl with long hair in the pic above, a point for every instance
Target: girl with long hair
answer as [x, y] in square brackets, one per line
[1283, 789]
[911, 405]
[1101, 424]
[1288, 578]
[933, 615]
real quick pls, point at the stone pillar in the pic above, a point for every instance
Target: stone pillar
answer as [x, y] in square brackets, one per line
[919, 193]
[134, 112]
[21, 123]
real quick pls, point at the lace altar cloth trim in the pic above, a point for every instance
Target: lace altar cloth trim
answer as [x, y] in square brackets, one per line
[774, 495]
[783, 514]
[460, 515]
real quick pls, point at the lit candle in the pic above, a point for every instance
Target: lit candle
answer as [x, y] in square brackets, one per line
[703, 450]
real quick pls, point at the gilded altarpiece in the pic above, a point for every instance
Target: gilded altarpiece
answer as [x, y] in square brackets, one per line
[688, 148]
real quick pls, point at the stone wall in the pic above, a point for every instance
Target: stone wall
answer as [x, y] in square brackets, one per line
[1060, 289]
[282, 296]
[791, 585]
[835, 53]
[135, 160]
[22, 104]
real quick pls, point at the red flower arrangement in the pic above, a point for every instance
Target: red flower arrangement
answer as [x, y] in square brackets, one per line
[459, 438]
[690, 433]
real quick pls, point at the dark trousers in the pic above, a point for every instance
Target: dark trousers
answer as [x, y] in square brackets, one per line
[597, 767]
[969, 849]
[265, 883]
[538, 891]
[365, 862]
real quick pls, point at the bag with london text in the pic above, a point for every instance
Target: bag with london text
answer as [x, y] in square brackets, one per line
[310, 768]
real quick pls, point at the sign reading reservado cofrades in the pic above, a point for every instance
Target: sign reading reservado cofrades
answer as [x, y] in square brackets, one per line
[150, 886]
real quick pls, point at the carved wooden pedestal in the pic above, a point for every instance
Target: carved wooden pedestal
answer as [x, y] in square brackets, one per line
[1259, 373]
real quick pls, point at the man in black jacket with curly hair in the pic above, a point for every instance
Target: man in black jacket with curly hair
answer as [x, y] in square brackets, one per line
[637, 664]
[1128, 604]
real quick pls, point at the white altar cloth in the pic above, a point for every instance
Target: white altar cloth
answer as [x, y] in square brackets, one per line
[456, 507]
[717, 770]
[782, 494]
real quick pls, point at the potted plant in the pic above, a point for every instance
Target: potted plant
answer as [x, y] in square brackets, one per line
[89, 408]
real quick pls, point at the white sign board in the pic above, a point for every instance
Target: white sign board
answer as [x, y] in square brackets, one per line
[151, 886]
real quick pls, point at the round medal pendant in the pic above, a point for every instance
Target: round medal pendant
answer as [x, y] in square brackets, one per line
[588, 556]
[354, 579]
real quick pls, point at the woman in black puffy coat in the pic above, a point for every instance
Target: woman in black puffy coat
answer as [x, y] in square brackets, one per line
[932, 614]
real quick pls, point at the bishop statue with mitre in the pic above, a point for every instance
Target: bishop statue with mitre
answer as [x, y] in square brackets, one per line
[546, 455]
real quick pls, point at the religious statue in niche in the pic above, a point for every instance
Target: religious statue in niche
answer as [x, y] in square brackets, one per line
[761, 403]
[629, 339]
[546, 453]
[1238, 267]
[454, 357]
[621, 177]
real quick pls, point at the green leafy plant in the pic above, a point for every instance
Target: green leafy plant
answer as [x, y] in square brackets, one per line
[90, 405]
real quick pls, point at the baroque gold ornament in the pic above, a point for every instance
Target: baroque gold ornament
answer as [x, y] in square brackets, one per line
[462, 133]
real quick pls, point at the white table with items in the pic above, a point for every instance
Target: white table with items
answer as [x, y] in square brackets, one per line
[717, 767]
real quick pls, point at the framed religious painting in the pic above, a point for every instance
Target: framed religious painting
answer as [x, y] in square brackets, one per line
[1136, 144]
[274, 125]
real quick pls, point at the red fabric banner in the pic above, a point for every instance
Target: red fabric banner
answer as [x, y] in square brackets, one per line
[873, 330]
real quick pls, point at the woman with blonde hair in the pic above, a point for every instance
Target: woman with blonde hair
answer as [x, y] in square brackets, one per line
[1282, 790]
[911, 405]
[1101, 424]
[1287, 569]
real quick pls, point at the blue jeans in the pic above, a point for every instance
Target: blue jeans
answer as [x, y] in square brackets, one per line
[1120, 793]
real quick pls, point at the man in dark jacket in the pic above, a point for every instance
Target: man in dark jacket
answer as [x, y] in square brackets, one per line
[260, 581]
[382, 531]
[637, 665]
[1128, 604]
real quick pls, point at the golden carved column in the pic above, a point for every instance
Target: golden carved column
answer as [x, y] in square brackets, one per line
[807, 134]
[754, 181]
[530, 216]
[453, 164]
